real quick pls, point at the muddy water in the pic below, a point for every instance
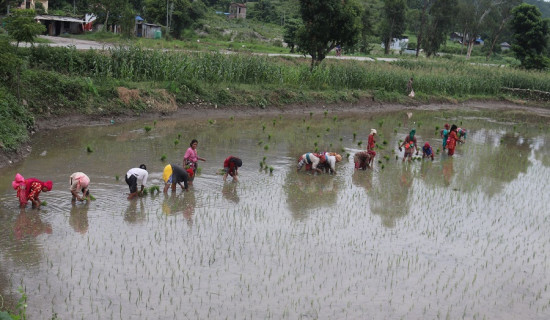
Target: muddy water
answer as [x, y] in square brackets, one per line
[462, 237]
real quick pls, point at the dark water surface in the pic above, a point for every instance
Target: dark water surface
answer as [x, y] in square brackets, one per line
[463, 237]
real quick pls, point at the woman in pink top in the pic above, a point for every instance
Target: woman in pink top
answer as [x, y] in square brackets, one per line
[191, 158]
[80, 182]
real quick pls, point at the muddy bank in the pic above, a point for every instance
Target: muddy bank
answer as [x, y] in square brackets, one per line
[198, 112]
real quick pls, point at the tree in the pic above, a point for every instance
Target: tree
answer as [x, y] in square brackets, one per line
[471, 16]
[439, 24]
[498, 22]
[530, 37]
[21, 26]
[181, 13]
[290, 33]
[369, 14]
[394, 22]
[327, 23]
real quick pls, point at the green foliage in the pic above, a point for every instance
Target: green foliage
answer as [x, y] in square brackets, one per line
[21, 26]
[290, 33]
[263, 10]
[11, 63]
[530, 37]
[326, 24]
[182, 14]
[14, 121]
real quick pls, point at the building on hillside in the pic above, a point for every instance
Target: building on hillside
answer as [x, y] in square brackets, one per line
[147, 30]
[505, 46]
[456, 37]
[398, 44]
[58, 25]
[459, 37]
[31, 4]
[237, 10]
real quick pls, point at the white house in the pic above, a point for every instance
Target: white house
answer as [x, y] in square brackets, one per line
[398, 43]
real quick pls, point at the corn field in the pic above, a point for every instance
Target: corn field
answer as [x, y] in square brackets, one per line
[430, 76]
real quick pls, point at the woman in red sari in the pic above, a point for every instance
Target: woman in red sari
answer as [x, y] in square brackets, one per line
[452, 140]
[29, 189]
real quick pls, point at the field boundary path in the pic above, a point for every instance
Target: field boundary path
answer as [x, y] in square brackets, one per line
[80, 44]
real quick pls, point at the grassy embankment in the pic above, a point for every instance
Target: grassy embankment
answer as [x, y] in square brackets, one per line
[60, 81]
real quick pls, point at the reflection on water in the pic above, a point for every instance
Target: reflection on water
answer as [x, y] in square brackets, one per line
[427, 238]
[79, 217]
[229, 192]
[135, 213]
[391, 198]
[183, 202]
[29, 224]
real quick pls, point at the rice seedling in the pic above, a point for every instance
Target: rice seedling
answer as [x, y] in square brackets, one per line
[354, 135]
[152, 189]
[92, 198]
[147, 128]
[116, 177]
[359, 143]
[385, 142]
[266, 147]
[43, 203]
[232, 118]
[269, 137]
[334, 118]
[326, 113]
[310, 114]
[163, 158]
[260, 142]
[179, 135]
[155, 123]
[89, 149]
[176, 142]
[263, 127]
[328, 129]
[210, 121]
[271, 169]
[380, 123]
[274, 122]
[307, 128]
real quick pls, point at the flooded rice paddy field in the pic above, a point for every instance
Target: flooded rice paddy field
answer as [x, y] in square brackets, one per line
[463, 237]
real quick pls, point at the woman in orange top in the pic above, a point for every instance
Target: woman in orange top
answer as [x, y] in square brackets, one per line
[453, 138]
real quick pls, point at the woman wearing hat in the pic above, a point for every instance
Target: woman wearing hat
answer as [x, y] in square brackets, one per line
[29, 189]
[370, 146]
[231, 166]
